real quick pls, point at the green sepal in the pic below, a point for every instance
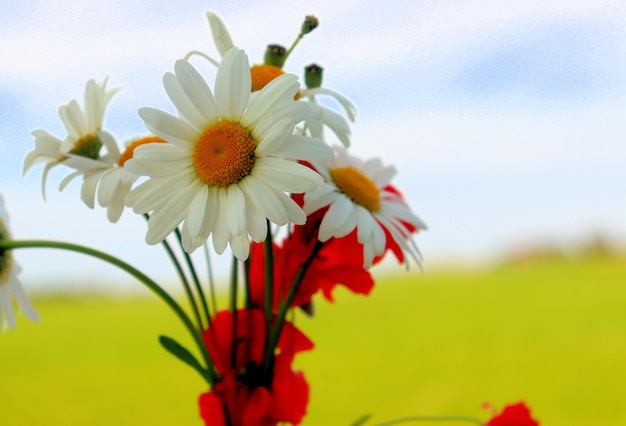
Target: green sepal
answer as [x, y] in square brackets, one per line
[180, 352]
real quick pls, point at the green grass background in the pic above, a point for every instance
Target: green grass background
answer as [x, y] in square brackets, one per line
[550, 332]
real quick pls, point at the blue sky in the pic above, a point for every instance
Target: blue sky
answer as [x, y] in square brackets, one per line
[505, 119]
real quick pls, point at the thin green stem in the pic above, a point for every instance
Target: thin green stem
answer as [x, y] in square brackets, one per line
[140, 276]
[432, 419]
[194, 275]
[293, 46]
[234, 282]
[183, 280]
[284, 306]
[246, 276]
[269, 279]
[185, 283]
[209, 267]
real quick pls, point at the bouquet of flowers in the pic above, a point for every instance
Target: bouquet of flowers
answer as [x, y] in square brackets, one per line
[257, 164]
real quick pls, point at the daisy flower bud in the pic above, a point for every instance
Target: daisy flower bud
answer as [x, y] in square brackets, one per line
[275, 55]
[310, 23]
[313, 76]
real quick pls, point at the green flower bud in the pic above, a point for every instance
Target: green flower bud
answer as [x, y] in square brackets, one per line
[275, 55]
[309, 24]
[313, 76]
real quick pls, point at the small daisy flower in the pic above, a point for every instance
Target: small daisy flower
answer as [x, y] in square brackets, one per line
[229, 159]
[359, 196]
[81, 147]
[111, 183]
[10, 286]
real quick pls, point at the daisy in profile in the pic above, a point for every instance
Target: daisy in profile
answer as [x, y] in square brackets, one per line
[10, 286]
[228, 161]
[110, 183]
[359, 196]
[81, 148]
[262, 74]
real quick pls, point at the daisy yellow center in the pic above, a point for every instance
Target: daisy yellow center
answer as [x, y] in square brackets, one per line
[224, 154]
[262, 74]
[5, 256]
[130, 149]
[87, 146]
[357, 186]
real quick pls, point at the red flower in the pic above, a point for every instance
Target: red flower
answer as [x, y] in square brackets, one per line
[513, 415]
[246, 395]
[339, 261]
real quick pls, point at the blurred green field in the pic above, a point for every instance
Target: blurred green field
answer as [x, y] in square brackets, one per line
[552, 333]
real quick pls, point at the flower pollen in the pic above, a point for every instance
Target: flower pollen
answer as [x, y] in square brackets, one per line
[130, 149]
[357, 186]
[262, 74]
[224, 154]
[87, 146]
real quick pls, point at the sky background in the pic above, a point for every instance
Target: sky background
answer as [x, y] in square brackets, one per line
[505, 119]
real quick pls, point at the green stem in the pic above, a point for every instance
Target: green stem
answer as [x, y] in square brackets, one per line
[246, 276]
[293, 46]
[432, 419]
[234, 280]
[140, 276]
[209, 267]
[185, 283]
[269, 280]
[284, 306]
[183, 279]
[194, 275]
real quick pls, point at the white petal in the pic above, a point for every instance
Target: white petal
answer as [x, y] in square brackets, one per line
[336, 221]
[286, 176]
[276, 139]
[265, 200]
[23, 301]
[294, 212]
[314, 201]
[240, 245]
[306, 148]
[88, 190]
[196, 211]
[155, 168]
[163, 221]
[186, 109]
[297, 111]
[256, 222]
[196, 89]
[277, 93]
[168, 127]
[221, 37]
[108, 185]
[236, 206]
[233, 84]
[220, 233]
[365, 225]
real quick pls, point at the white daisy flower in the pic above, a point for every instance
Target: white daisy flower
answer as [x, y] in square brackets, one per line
[81, 147]
[111, 183]
[10, 286]
[229, 159]
[359, 196]
[262, 74]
